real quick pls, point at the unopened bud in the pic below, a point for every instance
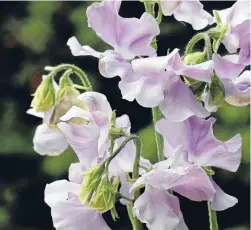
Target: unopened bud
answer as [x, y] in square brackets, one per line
[194, 58]
[44, 97]
[90, 183]
[216, 92]
[104, 198]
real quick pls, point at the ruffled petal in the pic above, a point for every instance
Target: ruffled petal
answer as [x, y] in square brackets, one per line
[221, 200]
[227, 67]
[193, 13]
[49, 141]
[158, 209]
[238, 92]
[180, 103]
[129, 36]
[202, 146]
[78, 50]
[68, 212]
[125, 189]
[96, 102]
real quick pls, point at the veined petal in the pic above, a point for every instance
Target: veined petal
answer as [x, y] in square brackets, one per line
[129, 36]
[68, 212]
[221, 200]
[96, 102]
[227, 67]
[49, 141]
[193, 13]
[78, 50]
[180, 103]
[202, 146]
[158, 209]
[84, 141]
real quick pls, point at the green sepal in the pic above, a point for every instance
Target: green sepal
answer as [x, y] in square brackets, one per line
[209, 171]
[44, 97]
[104, 197]
[90, 183]
[114, 214]
[216, 92]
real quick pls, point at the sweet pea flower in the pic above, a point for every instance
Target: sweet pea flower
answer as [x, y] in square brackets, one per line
[235, 17]
[129, 37]
[67, 211]
[236, 84]
[202, 149]
[159, 84]
[191, 12]
[48, 140]
[156, 206]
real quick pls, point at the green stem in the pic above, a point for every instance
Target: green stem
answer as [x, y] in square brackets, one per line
[136, 224]
[212, 218]
[80, 73]
[158, 138]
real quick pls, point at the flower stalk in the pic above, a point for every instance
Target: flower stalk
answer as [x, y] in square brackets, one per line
[212, 218]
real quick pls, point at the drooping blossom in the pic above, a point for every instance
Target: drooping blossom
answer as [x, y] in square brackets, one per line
[159, 84]
[129, 37]
[202, 149]
[156, 206]
[191, 12]
[236, 84]
[237, 19]
[67, 211]
[48, 140]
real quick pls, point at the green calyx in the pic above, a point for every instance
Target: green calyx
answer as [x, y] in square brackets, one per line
[90, 183]
[114, 132]
[216, 92]
[44, 97]
[209, 171]
[104, 197]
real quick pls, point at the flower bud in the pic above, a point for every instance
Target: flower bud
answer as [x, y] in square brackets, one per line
[44, 97]
[216, 92]
[194, 58]
[104, 198]
[90, 183]
[66, 97]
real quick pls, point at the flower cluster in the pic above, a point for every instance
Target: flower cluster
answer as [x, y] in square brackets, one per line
[182, 89]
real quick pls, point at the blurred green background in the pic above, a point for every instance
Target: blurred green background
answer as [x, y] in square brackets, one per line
[33, 35]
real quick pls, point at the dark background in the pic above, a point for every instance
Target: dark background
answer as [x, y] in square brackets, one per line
[33, 35]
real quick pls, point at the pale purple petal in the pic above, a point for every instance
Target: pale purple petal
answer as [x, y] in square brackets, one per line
[244, 33]
[125, 189]
[202, 146]
[34, 113]
[68, 212]
[112, 64]
[96, 102]
[180, 102]
[227, 67]
[129, 36]
[191, 181]
[158, 209]
[221, 200]
[193, 13]
[201, 72]
[76, 173]
[78, 50]
[238, 92]
[49, 141]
